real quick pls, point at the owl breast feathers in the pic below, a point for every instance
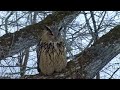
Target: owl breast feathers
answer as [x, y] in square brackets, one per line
[52, 57]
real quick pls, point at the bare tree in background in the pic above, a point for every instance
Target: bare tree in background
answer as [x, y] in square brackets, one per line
[79, 36]
[22, 58]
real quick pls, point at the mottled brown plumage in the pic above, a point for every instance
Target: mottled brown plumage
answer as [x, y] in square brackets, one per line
[51, 52]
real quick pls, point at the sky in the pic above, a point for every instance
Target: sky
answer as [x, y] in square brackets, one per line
[105, 72]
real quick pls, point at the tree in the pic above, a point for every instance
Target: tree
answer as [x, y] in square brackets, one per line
[85, 65]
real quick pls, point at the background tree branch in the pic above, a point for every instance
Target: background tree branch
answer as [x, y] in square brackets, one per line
[12, 43]
[88, 63]
[85, 65]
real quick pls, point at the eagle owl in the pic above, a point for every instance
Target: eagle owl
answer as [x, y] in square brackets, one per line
[51, 52]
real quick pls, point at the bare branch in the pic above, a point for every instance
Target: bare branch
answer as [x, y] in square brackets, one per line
[12, 43]
[92, 60]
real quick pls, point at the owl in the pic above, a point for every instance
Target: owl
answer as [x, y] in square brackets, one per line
[51, 52]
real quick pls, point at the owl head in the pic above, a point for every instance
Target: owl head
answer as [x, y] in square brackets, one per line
[51, 34]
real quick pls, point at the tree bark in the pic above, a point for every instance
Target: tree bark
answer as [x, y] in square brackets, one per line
[12, 43]
[88, 63]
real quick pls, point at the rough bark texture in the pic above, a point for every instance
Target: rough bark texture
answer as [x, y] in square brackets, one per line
[12, 43]
[85, 66]
[88, 63]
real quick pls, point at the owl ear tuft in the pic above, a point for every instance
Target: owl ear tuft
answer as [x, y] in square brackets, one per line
[60, 29]
[48, 29]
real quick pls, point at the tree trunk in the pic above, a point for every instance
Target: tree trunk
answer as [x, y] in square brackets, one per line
[88, 63]
[12, 43]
